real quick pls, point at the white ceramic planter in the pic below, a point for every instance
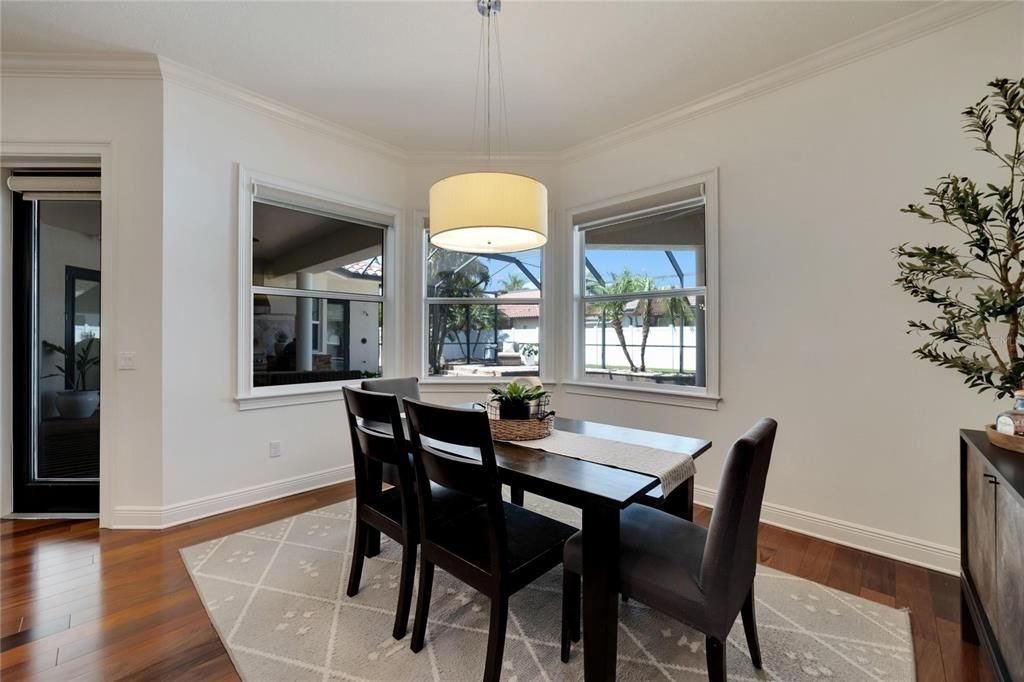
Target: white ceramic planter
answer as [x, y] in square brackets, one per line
[77, 404]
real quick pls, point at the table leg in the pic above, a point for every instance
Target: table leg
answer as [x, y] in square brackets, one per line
[600, 592]
[680, 501]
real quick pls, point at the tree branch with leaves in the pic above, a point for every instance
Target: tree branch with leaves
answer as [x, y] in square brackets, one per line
[977, 286]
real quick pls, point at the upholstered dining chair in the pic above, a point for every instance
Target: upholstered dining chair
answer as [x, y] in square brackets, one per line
[498, 548]
[703, 578]
[378, 440]
[401, 387]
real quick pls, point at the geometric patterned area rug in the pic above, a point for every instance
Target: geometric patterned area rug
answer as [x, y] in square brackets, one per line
[276, 595]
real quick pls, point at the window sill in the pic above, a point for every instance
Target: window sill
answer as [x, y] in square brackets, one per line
[659, 396]
[293, 395]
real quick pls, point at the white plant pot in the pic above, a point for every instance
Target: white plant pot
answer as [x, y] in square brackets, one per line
[77, 404]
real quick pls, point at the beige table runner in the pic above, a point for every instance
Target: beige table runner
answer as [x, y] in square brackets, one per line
[671, 468]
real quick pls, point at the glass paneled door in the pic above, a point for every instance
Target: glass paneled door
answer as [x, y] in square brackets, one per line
[57, 355]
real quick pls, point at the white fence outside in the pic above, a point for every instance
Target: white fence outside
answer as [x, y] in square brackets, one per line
[662, 346]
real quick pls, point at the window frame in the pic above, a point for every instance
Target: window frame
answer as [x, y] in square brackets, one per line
[421, 223]
[707, 396]
[327, 202]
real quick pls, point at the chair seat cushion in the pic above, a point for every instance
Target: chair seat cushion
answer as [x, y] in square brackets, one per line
[532, 538]
[659, 560]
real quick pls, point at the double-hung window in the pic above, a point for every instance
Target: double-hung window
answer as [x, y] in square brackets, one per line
[314, 278]
[644, 292]
[483, 313]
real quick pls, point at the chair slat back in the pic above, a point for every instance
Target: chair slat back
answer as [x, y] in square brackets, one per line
[730, 555]
[453, 448]
[378, 438]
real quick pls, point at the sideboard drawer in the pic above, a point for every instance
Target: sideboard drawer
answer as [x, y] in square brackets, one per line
[981, 533]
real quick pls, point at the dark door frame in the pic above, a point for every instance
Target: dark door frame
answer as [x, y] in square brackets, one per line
[32, 496]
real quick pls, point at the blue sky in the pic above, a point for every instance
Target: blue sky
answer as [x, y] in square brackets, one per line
[654, 264]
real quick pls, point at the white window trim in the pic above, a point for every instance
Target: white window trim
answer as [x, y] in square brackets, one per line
[250, 397]
[419, 275]
[706, 397]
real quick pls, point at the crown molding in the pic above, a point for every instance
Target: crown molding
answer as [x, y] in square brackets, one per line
[903, 30]
[194, 79]
[481, 160]
[79, 65]
[143, 66]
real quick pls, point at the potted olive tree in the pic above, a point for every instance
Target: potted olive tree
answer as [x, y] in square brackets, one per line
[977, 285]
[77, 402]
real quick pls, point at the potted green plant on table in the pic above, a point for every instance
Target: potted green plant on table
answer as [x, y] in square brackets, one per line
[76, 402]
[521, 412]
[977, 285]
[514, 400]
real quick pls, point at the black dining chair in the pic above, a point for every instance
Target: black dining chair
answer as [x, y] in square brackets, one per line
[498, 548]
[378, 440]
[401, 387]
[703, 578]
[409, 387]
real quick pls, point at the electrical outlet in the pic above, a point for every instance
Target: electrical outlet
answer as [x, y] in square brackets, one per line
[126, 360]
[275, 448]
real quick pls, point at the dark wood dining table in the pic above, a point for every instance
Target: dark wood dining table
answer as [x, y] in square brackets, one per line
[601, 492]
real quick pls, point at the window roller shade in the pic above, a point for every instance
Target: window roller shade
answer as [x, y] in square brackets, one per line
[278, 196]
[56, 187]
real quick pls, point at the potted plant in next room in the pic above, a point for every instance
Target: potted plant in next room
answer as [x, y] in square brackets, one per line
[978, 285]
[76, 403]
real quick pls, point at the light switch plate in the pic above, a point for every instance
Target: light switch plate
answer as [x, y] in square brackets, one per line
[126, 360]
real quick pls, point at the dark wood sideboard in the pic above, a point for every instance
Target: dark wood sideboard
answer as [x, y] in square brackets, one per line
[992, 552]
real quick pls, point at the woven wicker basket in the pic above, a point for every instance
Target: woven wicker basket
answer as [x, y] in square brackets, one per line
[522, 429]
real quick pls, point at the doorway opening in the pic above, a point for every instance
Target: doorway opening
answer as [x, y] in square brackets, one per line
[57, 331]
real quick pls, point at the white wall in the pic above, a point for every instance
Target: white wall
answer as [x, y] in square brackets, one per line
[123, 116]
[213, 449]
[812, 177]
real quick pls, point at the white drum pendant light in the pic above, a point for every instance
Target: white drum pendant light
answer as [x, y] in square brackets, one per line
[489, 211]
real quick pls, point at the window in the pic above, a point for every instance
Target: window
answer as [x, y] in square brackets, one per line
[643, 305]
[314, 274]
[482, 313]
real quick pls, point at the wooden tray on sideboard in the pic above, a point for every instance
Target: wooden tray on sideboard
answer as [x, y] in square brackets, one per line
[1004, 441]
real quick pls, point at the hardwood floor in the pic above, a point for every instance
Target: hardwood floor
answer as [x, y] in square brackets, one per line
[83, 603]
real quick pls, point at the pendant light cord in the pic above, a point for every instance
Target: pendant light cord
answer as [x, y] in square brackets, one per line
[502, 101]
[485, 74]
[488, 108]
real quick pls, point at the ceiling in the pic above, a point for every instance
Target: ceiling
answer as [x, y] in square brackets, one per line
[405, 72]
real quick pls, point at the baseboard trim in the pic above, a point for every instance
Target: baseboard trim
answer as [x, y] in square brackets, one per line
[942, 558]
[922, 553]
[158, 518]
